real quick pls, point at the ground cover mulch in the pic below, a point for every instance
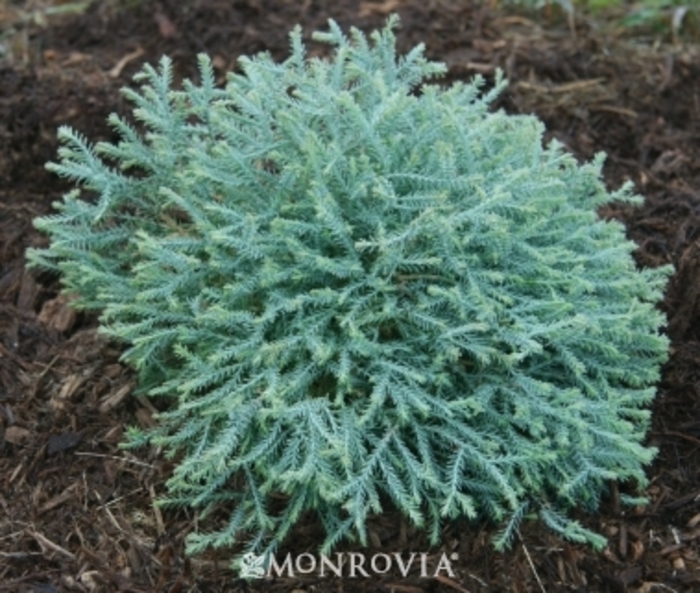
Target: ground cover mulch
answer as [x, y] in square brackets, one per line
[77, 512]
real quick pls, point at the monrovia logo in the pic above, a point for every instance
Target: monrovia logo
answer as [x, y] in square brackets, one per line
[351, 565]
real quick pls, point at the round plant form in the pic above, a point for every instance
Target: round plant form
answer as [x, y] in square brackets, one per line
[354, 289]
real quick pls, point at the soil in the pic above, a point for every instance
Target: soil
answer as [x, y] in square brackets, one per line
[78, 512]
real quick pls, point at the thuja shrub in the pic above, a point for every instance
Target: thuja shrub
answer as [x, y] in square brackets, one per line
[359, 291]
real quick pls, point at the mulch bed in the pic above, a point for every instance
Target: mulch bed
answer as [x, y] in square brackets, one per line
[78, 512]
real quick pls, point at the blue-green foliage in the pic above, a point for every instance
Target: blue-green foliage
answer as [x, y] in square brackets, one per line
[356, 289]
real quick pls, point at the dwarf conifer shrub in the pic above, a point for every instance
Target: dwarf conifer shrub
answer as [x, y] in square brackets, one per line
[356, 290]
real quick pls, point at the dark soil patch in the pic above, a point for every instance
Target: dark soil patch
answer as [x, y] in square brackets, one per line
[78, 512]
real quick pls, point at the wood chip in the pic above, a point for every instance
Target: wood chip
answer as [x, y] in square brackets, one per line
[166, 27]
[61, 499]
[156, 511]
[568, 87]
[28, 292]
[670, 549]
[629, 576]
[451, 584]
[116, 398]
[17, 435]
[112, 371]
[679, 563]
[637, 550]
[372, 8]
[91, 580]
[63, 442]
[47, 545]
[145, 419]
[614, 109]
[69, 389]
[121, 64]
[57, 314]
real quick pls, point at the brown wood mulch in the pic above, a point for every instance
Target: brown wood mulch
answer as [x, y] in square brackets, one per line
[78, 512]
